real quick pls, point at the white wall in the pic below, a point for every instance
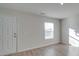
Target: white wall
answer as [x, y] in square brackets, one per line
[71, 22]
[30, 28]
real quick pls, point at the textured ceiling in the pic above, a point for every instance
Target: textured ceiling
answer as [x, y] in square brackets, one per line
[46, 9]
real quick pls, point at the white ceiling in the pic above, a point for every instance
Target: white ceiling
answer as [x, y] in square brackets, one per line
[48, 9]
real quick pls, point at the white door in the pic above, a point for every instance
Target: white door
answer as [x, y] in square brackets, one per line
[1, 37]
[8, 35]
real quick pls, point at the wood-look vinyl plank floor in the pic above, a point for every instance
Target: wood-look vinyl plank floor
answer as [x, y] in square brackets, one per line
[51, 50]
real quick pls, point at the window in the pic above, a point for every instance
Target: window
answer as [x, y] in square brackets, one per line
[49, 30]
[73, 37]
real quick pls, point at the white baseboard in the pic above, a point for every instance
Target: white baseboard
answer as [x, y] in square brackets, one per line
[39, 46]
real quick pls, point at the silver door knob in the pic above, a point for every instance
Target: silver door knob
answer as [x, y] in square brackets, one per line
[14, 35]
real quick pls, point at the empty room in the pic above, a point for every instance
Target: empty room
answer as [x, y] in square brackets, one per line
[39, 29]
